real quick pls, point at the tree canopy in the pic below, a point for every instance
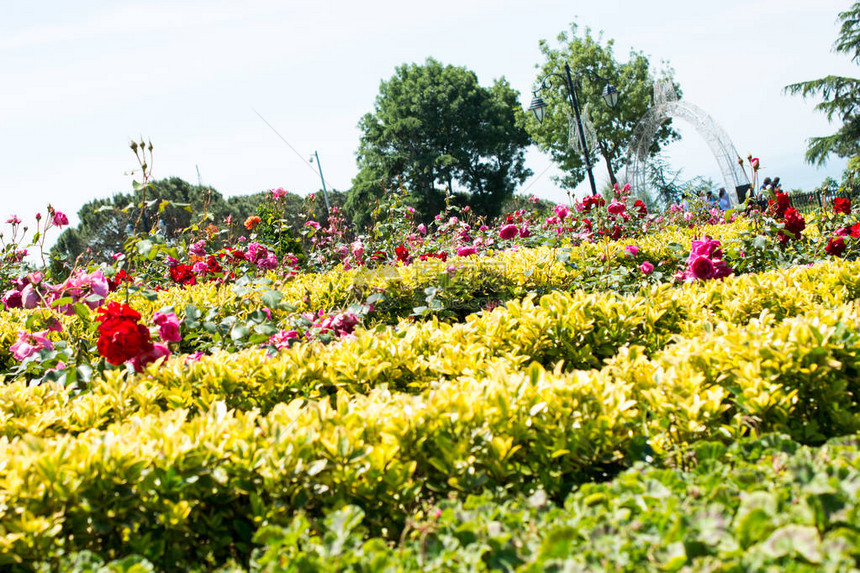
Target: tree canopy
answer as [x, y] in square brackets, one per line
[105, 224]
[434, 128]
[593, 63]
[840, 95]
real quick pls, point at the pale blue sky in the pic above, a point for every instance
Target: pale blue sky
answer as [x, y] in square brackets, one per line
[80, 79]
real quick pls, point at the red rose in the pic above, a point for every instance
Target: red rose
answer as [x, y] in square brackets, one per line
[794, 223]
[855, 230]
[842, 205]
[121, 336]
[778, 207]
[183, 274]
[120, 277]
[835, 246]
[640, 206]
[402, 254]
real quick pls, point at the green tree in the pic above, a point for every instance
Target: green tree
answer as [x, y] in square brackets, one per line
[591, 59]
[172, 206]
[434, 128]
[841, 96]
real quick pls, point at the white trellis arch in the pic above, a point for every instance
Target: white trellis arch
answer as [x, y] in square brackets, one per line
[667, 106]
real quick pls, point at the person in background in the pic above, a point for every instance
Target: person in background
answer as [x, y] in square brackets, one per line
[712, 201]
[725, 203]
[776, 185]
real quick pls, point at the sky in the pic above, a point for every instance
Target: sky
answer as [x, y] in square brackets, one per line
[80, 80]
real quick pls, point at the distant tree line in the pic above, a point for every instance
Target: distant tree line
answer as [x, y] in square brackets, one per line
[172, 206]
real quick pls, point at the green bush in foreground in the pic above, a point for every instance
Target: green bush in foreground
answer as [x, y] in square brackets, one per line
[764, 504]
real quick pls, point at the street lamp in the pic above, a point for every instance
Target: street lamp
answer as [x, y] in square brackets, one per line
[538, 108]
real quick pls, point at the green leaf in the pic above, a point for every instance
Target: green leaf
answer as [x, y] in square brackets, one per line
[239, 332]
[316, 467]
[82, 310]
[272, 298]
[144, 246]
[62, 301]
[192, 312]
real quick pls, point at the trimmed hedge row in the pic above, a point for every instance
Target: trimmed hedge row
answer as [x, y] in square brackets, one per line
[582, 330]
[190, 489]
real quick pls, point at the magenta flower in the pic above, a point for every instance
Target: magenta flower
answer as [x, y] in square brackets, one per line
[256, 252]
[12, 299]
[30, 343]
[465, 251]
[60, 219]
[616, 208]
[158, 350]
[647, 268]
[198, 249]
[701, 268]
[561, 211]
[29, 297]
[508, 232]
[168, 326]
[13, 220]
[422, 228]
[278, 193]
[631, 250]
[524, 232]
[269, 262]
[283, 339]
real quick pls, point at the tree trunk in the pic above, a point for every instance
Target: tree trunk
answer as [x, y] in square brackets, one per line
[607, 158]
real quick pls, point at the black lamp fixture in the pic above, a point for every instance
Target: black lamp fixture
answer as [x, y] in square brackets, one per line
[538, 108]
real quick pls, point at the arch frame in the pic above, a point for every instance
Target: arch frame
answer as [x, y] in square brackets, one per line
[734, 177]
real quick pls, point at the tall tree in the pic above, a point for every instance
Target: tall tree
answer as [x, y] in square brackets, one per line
[435, 128]
[591, 59]
[841, 96]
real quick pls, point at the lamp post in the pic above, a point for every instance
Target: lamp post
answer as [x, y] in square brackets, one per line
[538, 107]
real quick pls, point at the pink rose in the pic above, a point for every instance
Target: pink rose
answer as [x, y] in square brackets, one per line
[465, 251]
[508, 232]
[30, 343]
[158, 350]
[60, 219]
[562, 211]
[616, 208]
[702, 268]
[168, 326]
[631, 250]
[646, 268]
[198, 249]
[283, 339]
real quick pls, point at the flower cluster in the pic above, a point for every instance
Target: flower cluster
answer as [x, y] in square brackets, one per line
[338, 325]
[33, 290]
[122, 337]
[705, 262]
[793, 222]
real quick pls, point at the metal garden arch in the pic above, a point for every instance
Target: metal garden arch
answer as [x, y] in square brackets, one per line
[668, 106]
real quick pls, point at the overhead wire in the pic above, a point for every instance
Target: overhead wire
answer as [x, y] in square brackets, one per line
[307, 163]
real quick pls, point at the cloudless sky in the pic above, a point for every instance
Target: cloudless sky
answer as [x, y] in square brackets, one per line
[79, 80]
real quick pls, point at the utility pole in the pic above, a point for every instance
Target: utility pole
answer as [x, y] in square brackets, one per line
[325, 192]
